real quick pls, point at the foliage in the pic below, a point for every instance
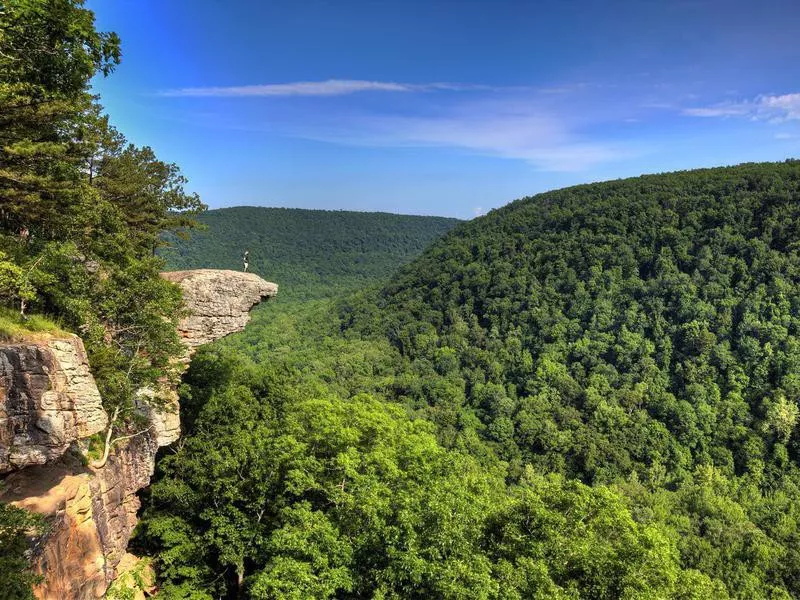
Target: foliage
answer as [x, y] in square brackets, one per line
[615, 362]
[644, 328]
[15, 328]
[49, 50]
[318, 496]
[310, 253]
[81, 214]
[135, 582]
[589, 393]
[81, 210]
[16, 525]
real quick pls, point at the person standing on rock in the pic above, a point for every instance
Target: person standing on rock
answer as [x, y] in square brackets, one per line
[246, 260]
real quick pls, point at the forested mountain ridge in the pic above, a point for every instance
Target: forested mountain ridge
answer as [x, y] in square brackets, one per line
[610, 369]
[589, 393]
[666, 295]
[312, 253]
[642, 330]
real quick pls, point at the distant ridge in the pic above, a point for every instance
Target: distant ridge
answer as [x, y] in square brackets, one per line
[310, 253]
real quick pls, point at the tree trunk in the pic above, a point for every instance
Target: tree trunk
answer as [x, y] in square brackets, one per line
[240, 580]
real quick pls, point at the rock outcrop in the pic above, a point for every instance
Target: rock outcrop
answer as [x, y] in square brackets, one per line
[48, 401]
[220, 302]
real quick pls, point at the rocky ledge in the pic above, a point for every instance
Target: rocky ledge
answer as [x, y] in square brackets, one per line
[220, 302]
[48, 401]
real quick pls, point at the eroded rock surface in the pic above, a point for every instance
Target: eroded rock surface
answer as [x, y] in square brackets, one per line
[219, 300]
[48, 400]
[91, 515]
[164, 415]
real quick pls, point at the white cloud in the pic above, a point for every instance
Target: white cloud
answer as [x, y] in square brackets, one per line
[729, 110]
[785, 107]
[542, 126]
[331, 87]
[536, 136]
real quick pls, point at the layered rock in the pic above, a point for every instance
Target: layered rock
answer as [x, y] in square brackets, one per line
[164, 415]
[91, 515]
[92, 512]
[219, 300]
[48, 400]
[70, 557]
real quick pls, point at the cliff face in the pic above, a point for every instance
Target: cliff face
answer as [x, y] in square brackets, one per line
[91, 514]
[48, 402]
[219, 302]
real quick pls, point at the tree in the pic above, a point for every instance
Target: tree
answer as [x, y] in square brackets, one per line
[93, 207]
[49, 51]
[16, 525]
[781, 418]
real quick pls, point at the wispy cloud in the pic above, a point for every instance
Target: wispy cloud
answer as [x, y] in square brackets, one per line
[542, 126]
[539, 137]
[720, 110]
[785, 107]
[331, 87]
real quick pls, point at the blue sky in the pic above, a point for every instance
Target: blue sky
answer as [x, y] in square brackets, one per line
[448, 107]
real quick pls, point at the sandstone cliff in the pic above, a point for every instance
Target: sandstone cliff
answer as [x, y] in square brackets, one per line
[220, 302]
[91, 514]
[48, 400]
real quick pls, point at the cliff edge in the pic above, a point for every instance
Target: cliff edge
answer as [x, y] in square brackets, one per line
[49, 402]
[219, 300]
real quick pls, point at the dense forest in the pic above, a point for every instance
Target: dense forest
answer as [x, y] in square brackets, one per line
[311, 253]
[588, 393]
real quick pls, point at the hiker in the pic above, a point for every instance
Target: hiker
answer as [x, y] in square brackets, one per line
[246, 260]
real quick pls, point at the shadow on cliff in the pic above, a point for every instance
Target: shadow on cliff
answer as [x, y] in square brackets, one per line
[70, 543]
[40, 488]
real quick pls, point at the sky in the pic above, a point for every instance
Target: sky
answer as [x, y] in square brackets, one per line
[448, 107]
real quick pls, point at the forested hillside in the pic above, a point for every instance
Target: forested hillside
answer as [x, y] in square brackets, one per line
[310, 253]
[591, 393]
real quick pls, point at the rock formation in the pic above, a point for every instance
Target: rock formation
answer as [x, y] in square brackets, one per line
[91, 514]
[48, 400]
[220, 302]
